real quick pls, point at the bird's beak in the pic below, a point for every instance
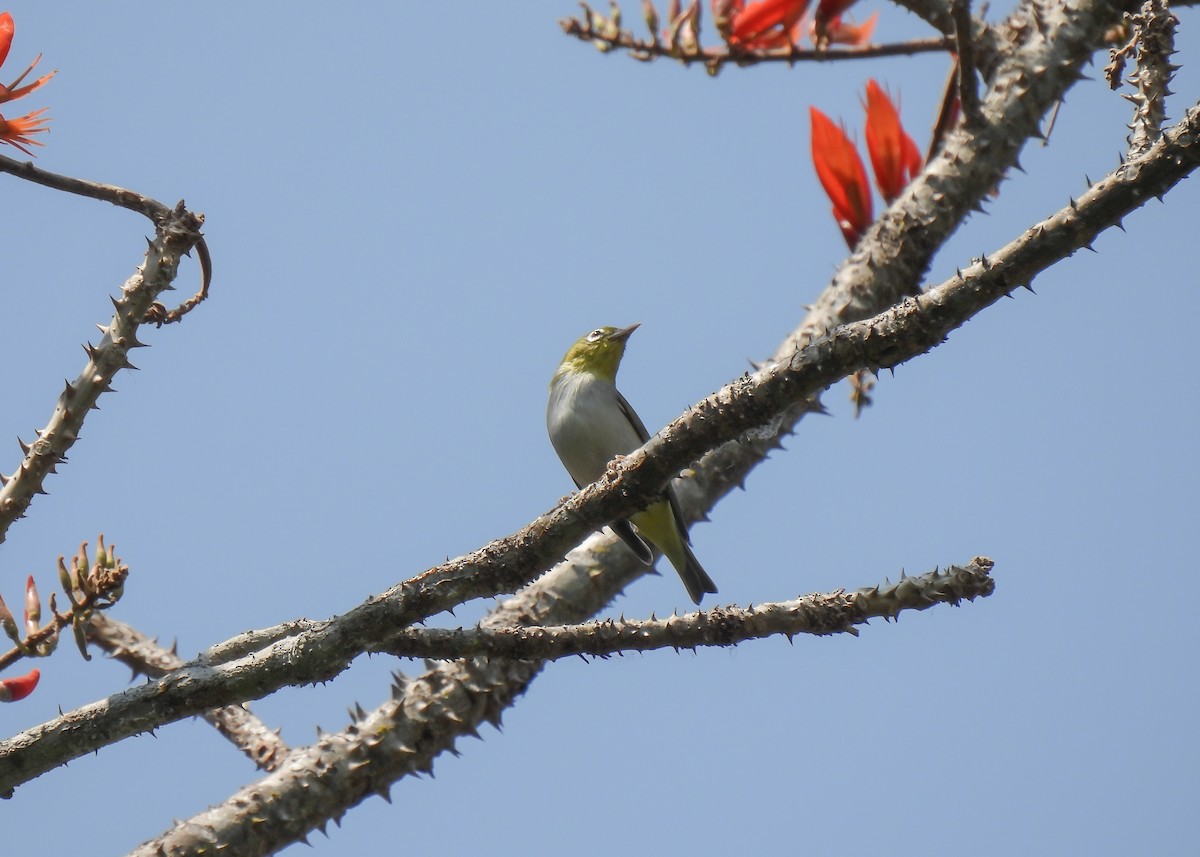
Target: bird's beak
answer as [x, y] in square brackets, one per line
[622, 335]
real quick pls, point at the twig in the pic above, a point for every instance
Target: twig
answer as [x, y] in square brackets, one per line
[949, 110]
[715, 58]
[119, 196]
[158, 315]
[89, 588]
[968, 91]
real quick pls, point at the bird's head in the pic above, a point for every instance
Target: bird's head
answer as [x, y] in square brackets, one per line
[598, 353]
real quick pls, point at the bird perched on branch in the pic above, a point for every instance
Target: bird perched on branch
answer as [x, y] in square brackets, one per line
[590, 424]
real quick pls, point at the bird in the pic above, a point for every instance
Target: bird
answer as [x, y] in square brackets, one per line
[590, 423]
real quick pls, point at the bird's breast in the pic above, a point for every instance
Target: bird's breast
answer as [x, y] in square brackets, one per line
[586, 426]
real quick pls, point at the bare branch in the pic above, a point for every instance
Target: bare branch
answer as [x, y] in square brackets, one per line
[176, 232]
[968, 93]
[119, 196]
[134, 201]
[1154, 33]
[836, 613]
[429, 714]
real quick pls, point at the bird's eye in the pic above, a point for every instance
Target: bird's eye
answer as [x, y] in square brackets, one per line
[596, 335]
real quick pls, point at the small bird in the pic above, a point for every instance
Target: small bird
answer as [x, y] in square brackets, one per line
[590, 424]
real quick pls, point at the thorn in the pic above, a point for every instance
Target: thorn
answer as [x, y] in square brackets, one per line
[24, 446]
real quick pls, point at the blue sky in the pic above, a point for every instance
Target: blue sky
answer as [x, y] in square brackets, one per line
[413, 211]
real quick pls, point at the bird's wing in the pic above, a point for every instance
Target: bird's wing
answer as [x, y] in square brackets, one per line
[634, 419]
[678, 513]
[640, 428]
[636, 543]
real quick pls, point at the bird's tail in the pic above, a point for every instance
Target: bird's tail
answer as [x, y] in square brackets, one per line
[691, 572]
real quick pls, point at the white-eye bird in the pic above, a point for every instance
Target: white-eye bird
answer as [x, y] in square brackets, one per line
[590, 424]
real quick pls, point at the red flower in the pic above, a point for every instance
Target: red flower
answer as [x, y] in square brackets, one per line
[13, 689]
[14, 89]
[18, 132]
[894, 156]
[843, 176]
[766, 24]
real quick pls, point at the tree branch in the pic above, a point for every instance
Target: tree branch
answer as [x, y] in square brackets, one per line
[836, 613]
[177, 230]
[150, 208]
[1154, 31]
[429, 714]
[968, 94]
[714, 59]
[144, 656]
[743, 408]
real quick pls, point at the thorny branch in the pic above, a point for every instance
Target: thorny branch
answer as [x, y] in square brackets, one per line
[320, 650]
[177, 231]
[428, 714]
[1152, 43]
[150, 208]
[835, 613]
[146, 657]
